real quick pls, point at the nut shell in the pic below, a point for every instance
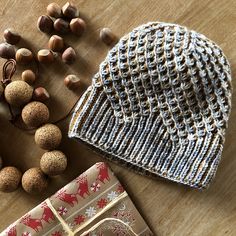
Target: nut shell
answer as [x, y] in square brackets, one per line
[69, 56]
[34, 181]
[18, 93]
[53, 163]
[24, 56]
[107, 36]
[69, 10]
[10, 178]
[45, 24]
[35, 114]
[41, 94]
[45, 56]
[11, 36]
[56, 43]
[48, 137]
[54, 10]
[28, 76]
[61, 26]
[72, 82]
[7, 51]
[77, 26]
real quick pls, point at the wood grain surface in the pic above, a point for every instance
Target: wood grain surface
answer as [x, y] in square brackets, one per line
[169, 209]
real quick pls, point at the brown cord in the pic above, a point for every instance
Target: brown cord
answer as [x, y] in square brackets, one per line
[67, 115]
[7, 78]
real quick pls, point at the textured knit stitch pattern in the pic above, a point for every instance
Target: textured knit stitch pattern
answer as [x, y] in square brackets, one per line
[160, 104]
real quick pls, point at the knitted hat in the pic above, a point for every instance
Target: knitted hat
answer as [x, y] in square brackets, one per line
[160, 104]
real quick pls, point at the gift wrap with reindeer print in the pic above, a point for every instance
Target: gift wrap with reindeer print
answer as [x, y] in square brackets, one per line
[95, 203]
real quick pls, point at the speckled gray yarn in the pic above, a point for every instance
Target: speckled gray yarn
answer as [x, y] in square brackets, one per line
[160, 104]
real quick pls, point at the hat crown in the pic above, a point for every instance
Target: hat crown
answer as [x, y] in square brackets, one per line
[159, 104]
[169, 71]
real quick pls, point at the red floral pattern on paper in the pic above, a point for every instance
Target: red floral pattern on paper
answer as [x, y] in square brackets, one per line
[95, 187]
[79, 219]
[124, 215]
[62, 210]
[83, 189]
[57, 233]
[120, 189]
[69, 198]
[102, 203]
[119, 230]
[103, 173]
[26, 234]
[35, 224]
[84, 186]
[47, 213]
[11, 230]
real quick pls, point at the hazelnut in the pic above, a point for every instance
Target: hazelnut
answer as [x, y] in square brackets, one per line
[34, 181]
[28, 76]
[48, 137]
[61, 26]
[56, 43]
[24, 56]
[7, 51]
[10, 178]
[45, 56]
[11, 36]
[41, 94]
[45, 24]
[69, 10]
[69, 56]
[107, 36]
[72, 82]
[77, 26]
[18, 93]
[54, 10]
[35, 114]
[53, 163]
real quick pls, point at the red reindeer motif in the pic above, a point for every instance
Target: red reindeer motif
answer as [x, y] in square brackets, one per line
[103, 173]
[47, 213]
[35, 224]
[69, 198]
[83, 185]
[12, 231]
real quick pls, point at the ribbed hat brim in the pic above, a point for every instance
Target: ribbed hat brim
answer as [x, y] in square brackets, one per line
[143, 144]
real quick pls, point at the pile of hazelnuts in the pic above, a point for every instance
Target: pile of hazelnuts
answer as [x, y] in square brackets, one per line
[62, 21]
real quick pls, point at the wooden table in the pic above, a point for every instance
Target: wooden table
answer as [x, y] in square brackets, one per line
[169, 209]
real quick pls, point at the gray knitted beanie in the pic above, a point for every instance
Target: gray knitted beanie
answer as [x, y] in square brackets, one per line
[160, 104]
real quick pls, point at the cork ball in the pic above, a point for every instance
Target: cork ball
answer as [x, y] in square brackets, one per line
[35, 114]
[53, 163]
[48, 137]
[18, 93]
[34, 181]
[10, 178]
